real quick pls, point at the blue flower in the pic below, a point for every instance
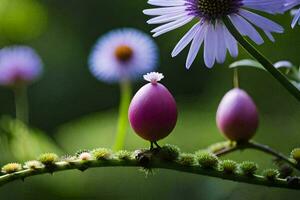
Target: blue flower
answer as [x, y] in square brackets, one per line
[123, 54]
[19, 65]
[210, 28]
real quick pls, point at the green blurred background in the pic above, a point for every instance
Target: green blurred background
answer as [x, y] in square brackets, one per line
[78, 112]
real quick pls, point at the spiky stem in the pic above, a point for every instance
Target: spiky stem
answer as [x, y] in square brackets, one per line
[154, 163]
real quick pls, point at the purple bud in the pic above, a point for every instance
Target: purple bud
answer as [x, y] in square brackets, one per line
[237, 116]
[153, 111]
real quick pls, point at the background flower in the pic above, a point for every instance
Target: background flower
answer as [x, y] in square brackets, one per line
[19, 64]
[210, 29]
[123, 54]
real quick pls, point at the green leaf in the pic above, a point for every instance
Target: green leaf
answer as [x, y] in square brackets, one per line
[246, 63]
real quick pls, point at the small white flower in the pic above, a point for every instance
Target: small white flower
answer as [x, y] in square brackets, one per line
[33, 164]
[153, 77]
[85, 156]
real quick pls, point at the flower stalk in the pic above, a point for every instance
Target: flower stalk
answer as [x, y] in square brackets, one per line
[155, 161]
[21, 103]
[281, 78]
[122, 127]
[236, 82]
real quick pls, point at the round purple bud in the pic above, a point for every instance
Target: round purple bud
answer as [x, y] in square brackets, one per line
[153, 110]
[19, 65]
[237, 116]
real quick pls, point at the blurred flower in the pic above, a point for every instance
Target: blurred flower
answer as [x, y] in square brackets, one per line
[123, 54]
[19, 65]
[210, 28]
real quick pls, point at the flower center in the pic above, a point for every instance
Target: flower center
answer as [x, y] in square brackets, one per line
[124, 53]
[214, 9]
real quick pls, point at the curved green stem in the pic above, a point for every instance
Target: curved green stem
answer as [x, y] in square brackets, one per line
[154, 164]
[21, 103]
[257, 146]
[125, 87]
[262, 60]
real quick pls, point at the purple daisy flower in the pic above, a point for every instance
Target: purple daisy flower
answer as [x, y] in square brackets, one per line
[123, 54]
[296, 13]
[19, 65]
[210, 28]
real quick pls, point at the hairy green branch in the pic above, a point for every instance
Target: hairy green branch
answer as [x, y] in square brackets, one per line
[168, 157]
[227, 148]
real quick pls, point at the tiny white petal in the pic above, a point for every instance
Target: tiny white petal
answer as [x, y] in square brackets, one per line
[153, 77]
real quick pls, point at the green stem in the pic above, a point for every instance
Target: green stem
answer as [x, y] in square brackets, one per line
[176, 166]
[21, 103]
[123, 115]
[259, 147]
[262, 60]
[236, 82]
